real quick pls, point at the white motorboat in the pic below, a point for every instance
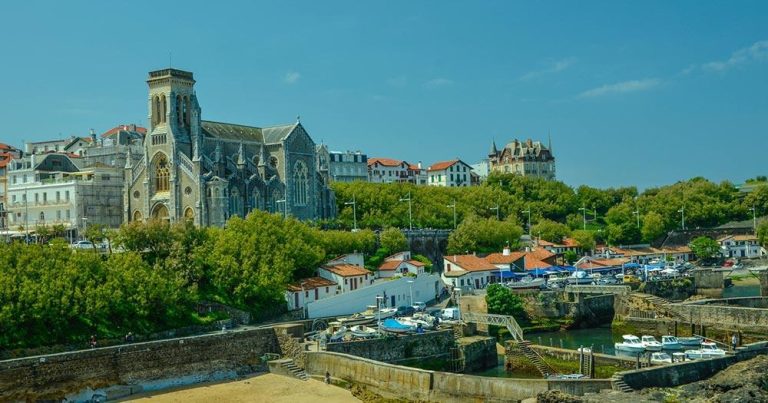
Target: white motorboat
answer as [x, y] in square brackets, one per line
[363, 331]
[630, 344]
[707, 350]
[580, 277]
[650, 343]
[336, 331]
[393, 325]
[385, 313]
[693, 341]
[661, 358]
[361, 318]
[527, 283]
[670, 343]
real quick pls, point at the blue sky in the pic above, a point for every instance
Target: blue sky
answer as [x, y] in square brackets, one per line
[633, 93]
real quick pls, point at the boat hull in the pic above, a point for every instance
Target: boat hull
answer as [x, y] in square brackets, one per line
[628, 349]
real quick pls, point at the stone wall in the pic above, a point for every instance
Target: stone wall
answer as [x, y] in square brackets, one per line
[573, 355]
[709, 282]
[734, 318]
[478, 353]
[393, 381]
[58, 375]
[398, 348]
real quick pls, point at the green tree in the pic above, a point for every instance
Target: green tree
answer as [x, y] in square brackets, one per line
[483, 235]
[501, 301]
[394, 240]
[570, 256]
[550, 230]
[762, 233]
[653, 226]
[95, 234]
[622, 228]
[427, 262]
[585, 239]
[705, 247]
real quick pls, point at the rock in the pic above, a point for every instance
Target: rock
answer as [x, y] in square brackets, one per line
[556, 396]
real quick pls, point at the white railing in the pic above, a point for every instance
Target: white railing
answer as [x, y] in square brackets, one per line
[138, 169]
[497, 320]
[599, 289]
[187, 166]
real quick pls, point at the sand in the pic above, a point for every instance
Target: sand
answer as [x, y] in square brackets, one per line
[262, 388]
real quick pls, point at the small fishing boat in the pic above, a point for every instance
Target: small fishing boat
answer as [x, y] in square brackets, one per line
[385, 313]
[707, 350]
[397, 326]
[670, 343]
[527, 283]
[630, 344]
[336, 332]
[694, 341]
[363, 331]
[661, 358]
[580, 277]
[650, 343]
[361, 318]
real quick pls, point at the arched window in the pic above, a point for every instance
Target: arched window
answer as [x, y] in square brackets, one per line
[184, 112]
[187, 112]
[300, 183]
[255, 202]
[137, 216]
[189, 214]
[163, 108]
[235, 204]
[42, 216]
[274, 206]
[178, 110]
[155, 110]
[162, 174]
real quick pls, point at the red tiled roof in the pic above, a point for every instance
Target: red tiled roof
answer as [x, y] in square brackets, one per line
[5, 159]
[413, 167]
[531, 264]
[500, 258]
[388, 162]
[310, 283]
[416, 263]
[123, 127]
[570, 242]
[470, 263]
[442, 165]
[542, 242]
[539, 254]
[390, 265]
[347, 270]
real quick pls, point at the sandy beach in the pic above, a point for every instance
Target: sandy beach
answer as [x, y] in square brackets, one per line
[263, 388]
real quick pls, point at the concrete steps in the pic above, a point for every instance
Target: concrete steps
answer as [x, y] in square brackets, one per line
[617, 384]
[535, 359]
[294, 370]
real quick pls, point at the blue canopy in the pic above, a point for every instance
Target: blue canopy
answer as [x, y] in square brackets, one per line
[631, 265]
[539, 272]
[508, 274]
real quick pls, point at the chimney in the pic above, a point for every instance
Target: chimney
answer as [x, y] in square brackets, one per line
[505, 252]
[419, 164]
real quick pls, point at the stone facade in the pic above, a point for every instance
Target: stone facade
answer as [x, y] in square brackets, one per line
[432, 344]
[526, 158]
[207, 172]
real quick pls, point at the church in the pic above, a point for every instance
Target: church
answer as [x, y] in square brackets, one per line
[206, 172]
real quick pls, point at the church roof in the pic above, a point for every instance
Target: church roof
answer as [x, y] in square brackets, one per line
[231, 131]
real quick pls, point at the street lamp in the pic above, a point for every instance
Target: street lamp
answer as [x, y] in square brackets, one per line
[285, 207]
[85, 226]
[454, 212]
[682, 216]
[410, 289]
[637, 215]
[497, 211]
[584, 216]
[410, 211]
[353, 203]
[754, 218]
[529, 219]
[457, 292]
[379, 300]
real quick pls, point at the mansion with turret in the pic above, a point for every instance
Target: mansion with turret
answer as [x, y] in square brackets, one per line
[526, 158]
[206, 172]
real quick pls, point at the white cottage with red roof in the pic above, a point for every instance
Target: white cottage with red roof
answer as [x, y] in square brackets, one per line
[467, 271]
[451, 173]
[400, 264]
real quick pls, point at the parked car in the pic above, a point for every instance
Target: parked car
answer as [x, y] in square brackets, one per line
[405, 311]
[82, 245]
[419, 306]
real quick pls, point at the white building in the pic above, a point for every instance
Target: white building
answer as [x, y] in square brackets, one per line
[348, 166]
[467, 271]
[451, 173]
[49, 189]
[482, 169]
[741, 246]
[302, 292]
[400, 264]
[387, 170]
[348, 272]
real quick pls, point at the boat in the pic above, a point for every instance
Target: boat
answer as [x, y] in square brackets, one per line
[336, 331]
[661, 358]
[385, 313]
[693, 341]
[580, 277]
[361, 318]
[650, 343]
[527, 283]
[670, 343]
[363, 331]
[397, 326]
[630, 344]
[707, 350]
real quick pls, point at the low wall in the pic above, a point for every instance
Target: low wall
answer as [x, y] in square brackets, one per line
[395, 381]
[735, 318]
[59, 375]
[478, 353]
[573, 355]
[398, 348]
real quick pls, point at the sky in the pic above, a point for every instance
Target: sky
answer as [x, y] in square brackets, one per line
[632, 93]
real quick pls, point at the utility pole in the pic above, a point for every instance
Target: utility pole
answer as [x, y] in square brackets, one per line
[584, 216]
[353, 203]
[454, 212]
[682, 216]
[410, 211]
[529, 219]
[754, 219]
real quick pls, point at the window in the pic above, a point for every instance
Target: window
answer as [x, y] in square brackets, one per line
[162, 174]
[58, 196]
[68, 214]
[300, 183]
[58, 214]
[45, 197]
[66, 196]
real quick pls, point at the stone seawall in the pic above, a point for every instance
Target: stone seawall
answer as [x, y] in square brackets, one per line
[58, 375]
[398, 348]
[573, 355]
[394, 381]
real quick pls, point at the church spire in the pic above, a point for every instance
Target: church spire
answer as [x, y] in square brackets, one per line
[549, 137]
[241, 156]
[494, 150]
[263, 156]
[217, 153]
[129, 159]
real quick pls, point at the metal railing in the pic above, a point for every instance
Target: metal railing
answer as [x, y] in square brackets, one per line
[497, 320]
[599, 289]
[187, 166]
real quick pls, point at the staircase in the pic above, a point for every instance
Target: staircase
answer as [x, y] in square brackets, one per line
[662, 305]
[535, 359]
[294, 370]
[617, 383]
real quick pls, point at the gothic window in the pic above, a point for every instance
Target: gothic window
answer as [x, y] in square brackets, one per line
[255, 202]
[137, 215]
[162, 174]
[163, 109]
[235, 204]
[300, 184]
[274, 206]
[189, 214]
[178, 110]
[185, 112]
[155, 110]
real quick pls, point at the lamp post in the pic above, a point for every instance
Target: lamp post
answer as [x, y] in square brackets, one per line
[26, 211]
[754, 218]
[379, 299]
[285, 207]
[410, 290]
[637, 215]
[529, 219]
[453, 206]
[682, 216]
[498, 217]
[85, 226]
[584, 216]
[410, 211]
[353, 203]
[457, 291]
